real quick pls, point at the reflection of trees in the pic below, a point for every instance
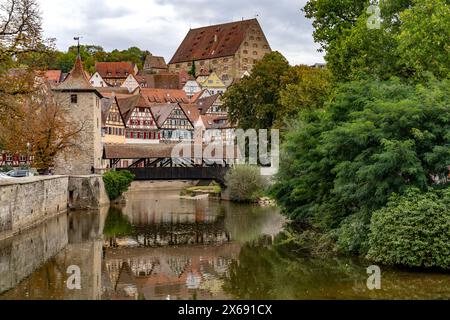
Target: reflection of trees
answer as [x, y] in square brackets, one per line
[116, 225]
[265, 272]
[246, 222]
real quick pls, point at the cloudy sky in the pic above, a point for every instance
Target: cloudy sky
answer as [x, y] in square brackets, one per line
[160, 25]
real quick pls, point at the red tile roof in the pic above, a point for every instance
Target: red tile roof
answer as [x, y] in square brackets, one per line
[213, 42]
[205, 103]
[191, 111]
[164, 95]
[159, 81]
[53, 75]
[115, 69]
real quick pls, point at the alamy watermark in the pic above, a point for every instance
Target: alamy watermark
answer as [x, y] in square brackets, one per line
[374, 280]
[374, 20]
[74, 280]
[231, 147]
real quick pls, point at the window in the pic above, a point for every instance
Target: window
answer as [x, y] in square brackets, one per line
[255, 45]
[255, 53]
[225, 60]
[74, 98]
[245, 60]
[252, 38]
[258, 39]
[266, 46]
[177, 65]
[246, 44]
[202, 63]
[245, 51]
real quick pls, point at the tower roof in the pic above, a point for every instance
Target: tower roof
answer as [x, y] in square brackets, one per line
[77, 80]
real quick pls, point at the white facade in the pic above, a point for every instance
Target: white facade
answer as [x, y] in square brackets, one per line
[191, 88]
[130, 83]
[97, 81]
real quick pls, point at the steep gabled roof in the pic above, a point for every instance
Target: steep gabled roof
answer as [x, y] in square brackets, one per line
[205, 103]
[198, 95]
[213, 42]
[155, 62]
[128, 104]
[162, 111]
[191, 111]
[214, 121]
[115, 69]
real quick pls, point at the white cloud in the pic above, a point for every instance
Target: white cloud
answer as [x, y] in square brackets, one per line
[160, 25]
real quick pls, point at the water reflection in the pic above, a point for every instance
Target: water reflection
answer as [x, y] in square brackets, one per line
[158, 246]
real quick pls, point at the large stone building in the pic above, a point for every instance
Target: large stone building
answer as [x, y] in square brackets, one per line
[81, 103]
[229, 49]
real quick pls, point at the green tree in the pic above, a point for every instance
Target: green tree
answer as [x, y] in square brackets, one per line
[332, 17]
[307, 88]
[424, 38]
[254, 102]
[372, 140]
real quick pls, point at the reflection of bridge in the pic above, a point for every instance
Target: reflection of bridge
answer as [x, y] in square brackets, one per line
[173, 162]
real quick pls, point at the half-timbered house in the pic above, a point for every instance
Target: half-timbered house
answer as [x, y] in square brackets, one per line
[173, 122]
[141, 126]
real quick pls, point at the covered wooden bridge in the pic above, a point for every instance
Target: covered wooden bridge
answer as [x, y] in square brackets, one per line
[173, 161]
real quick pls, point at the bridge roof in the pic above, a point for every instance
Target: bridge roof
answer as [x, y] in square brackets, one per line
[163, 150]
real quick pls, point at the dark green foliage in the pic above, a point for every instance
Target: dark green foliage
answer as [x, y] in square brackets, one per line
[117, 182]
[413, 230]
[374, 139]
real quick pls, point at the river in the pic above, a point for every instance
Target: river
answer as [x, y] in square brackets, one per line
[158, 246]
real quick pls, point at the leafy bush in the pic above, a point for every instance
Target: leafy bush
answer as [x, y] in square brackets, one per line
[413, 230]
[352, 235]
[117, 182]
[245, 183]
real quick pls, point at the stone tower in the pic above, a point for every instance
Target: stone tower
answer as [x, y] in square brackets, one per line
[82, 105]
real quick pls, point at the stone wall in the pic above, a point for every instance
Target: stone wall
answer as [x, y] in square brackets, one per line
[87, 192]
[25, 202]
[30, 201]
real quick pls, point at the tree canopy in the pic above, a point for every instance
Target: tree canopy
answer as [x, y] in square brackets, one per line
[373, 139]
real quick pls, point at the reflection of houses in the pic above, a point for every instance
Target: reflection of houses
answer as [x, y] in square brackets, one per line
[177, 273]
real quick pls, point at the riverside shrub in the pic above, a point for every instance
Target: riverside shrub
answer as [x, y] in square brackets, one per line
[413, 230]
[245, 183]
[117, 182]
